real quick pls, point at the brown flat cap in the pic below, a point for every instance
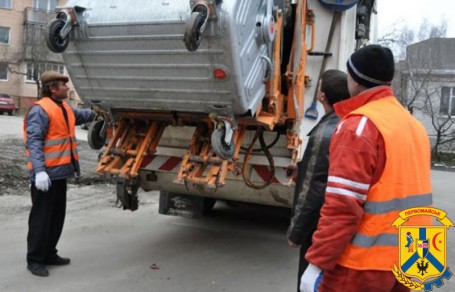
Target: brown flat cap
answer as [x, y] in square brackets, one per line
[49, 76]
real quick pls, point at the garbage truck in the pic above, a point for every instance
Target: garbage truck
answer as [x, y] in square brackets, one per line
[204, 100]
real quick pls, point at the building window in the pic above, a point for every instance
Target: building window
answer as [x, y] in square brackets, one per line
[45, 4]
[37, 70]
[55, 67]
[5, 4]
[4, 35]
[31, 72]
[447, 106]
[3, 71]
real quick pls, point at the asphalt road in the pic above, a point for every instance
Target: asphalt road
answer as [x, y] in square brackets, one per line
[234, 249]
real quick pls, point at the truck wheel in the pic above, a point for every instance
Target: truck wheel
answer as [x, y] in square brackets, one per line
[220, 147]
[193, 35]
[10, 113]
[164, 203]
[53, 40]
[95, 138]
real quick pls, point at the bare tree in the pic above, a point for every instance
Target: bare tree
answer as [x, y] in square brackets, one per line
[401, 35]
[421, 92]
[417, 75]
[442, 124]
[428, 30]
[34, 54]
[397, 40]
[12, 56]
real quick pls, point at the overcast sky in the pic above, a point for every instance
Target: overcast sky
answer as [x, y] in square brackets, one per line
[411, 12]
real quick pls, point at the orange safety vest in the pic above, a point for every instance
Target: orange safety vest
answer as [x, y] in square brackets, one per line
[405, 183]
[60, 141]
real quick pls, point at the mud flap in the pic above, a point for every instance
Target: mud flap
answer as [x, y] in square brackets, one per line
[127, 196]
[184, 205]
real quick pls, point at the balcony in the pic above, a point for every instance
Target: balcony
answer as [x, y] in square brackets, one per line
[35, 48]
[38, 16]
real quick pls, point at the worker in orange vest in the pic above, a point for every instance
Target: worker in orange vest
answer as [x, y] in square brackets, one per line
[50, 142]
[379, 165]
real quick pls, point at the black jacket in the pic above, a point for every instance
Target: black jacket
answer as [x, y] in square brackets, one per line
[311, 181]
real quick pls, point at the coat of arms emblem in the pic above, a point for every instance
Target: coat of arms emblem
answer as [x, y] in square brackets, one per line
[422, 250]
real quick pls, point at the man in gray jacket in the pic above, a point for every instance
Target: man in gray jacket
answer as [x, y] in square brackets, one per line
[50, 142]
[313, 169]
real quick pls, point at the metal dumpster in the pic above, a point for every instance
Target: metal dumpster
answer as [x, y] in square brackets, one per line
[125, 57]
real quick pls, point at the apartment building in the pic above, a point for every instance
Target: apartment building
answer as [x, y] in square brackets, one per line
[426, 81]
[23, 52]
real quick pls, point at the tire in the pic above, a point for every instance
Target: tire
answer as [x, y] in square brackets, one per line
[54, 42]
[164, 201]
[220, 147]
[94, 139]
[193, 35]
[10, 113]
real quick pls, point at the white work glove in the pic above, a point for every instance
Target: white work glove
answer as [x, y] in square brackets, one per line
[42, 181]
[311, 279]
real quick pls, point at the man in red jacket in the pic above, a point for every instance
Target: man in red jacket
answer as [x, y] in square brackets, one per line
[379, 165]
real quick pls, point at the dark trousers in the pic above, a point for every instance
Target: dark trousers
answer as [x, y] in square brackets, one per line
[303, 263]
[45, 222]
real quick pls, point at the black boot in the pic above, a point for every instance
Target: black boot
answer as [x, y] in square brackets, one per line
[38, 270]
[57, 260]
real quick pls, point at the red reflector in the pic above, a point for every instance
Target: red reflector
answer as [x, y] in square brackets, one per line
[272, 28]
[219, 74]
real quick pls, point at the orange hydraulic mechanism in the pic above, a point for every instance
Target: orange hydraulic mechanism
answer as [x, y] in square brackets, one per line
[132, 141]
[201, 166]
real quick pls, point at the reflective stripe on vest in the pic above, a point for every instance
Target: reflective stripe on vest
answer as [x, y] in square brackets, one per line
[60, 142]
[56, 142]
[404, 183]
[378, 240]
[397, 204]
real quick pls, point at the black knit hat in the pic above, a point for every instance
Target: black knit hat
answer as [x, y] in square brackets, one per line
[372, 66]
